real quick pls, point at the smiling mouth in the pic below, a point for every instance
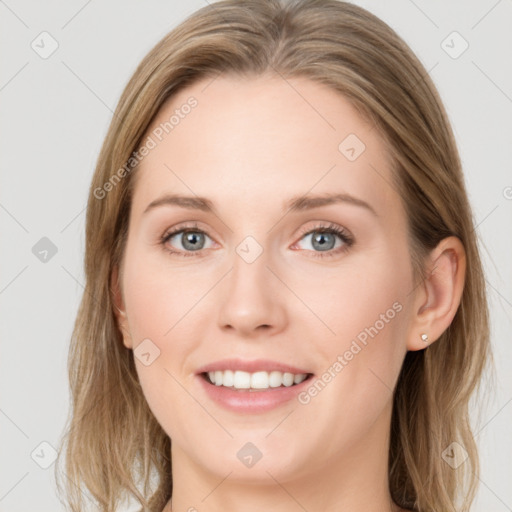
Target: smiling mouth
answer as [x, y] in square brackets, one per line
[256, 381]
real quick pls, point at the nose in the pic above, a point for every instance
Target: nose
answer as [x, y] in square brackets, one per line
[253, 300]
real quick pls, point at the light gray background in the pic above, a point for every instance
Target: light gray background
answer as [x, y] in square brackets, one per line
[55, 114]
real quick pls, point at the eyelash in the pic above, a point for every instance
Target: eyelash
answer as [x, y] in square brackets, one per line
[331, 228]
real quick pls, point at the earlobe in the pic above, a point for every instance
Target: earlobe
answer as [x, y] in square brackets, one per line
[438, 299]
[119, 308]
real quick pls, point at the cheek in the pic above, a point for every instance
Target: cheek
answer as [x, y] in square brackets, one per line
[361, 362]
[165, 303]
[160, 308]
[355, 297]
[159, 300]
[364, 307]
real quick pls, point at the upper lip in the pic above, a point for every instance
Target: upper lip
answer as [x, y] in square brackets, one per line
[256, 365]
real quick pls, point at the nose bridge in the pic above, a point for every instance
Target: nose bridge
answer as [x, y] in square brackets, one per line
[249, 266]
[252, 255]
[250, 275]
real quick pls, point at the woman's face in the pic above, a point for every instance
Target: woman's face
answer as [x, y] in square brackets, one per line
[296, 262]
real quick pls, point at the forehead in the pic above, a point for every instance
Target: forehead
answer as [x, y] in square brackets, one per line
[252, 141]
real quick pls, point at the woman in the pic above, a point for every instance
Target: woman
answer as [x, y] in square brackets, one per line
[285, 306]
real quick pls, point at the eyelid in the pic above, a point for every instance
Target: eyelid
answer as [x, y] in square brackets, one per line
[325, 226]
[185, 226]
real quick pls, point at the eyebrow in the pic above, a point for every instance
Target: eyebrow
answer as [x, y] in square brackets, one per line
[295, 204]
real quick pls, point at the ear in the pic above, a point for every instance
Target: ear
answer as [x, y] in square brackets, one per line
[119, 308]
[438, 297]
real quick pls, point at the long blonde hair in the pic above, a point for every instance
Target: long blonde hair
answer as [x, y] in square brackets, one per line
[114, 445]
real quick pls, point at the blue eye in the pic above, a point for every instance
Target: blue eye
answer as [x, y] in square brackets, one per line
[192, 240]
[323, 238]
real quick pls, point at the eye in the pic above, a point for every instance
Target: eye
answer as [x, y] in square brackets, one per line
[191, 239]
[323, 240]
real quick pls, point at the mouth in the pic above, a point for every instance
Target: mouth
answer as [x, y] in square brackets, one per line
[256, 386]
[256, 381]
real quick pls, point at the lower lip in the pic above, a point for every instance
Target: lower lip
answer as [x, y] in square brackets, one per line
[248, 401]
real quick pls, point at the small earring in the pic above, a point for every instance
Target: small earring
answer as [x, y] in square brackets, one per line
[424, 337]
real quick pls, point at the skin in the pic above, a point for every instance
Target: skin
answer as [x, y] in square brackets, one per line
[248, 146]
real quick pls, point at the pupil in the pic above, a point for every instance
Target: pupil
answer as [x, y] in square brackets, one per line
[320, 239]
[191, 240]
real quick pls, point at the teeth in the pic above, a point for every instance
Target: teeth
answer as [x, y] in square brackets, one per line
[257, 380]
[275, 379]
[241, 380]
[288, 379]
[297, 379]
[228, 378]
